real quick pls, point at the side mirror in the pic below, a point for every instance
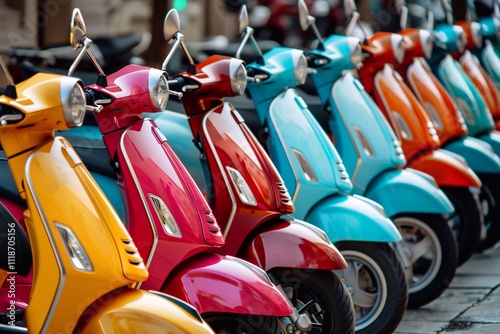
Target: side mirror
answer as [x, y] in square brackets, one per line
[171, 24]
[243, 19]
[303, 15]
[349, 7]
[77, 30]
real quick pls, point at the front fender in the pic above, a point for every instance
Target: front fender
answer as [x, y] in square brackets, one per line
[478, 153]
[492, 138]
[144, 312]
[446, 169]
[398, 190]
[353, 218]
[292, 244]
[223, 284]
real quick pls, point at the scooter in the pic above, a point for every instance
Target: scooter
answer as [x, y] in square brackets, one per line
[373, 157]
[248, 195]
[450, 126]
[419, 139]
[70, 226]
[166, 212]
[321, 191]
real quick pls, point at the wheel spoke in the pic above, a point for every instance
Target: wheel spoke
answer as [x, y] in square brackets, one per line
[418, 249]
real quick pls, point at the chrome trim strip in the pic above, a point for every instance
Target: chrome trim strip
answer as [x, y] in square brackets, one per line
[62, 271]
[221, 167]
[283, 142]
[143, 200]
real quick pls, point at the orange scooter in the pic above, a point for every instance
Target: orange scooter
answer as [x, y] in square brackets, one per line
[419, 138]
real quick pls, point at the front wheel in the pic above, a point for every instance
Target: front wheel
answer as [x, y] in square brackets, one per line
[490, 205]
[430, 248]
[378, 284]
[319, 294]
[468, 221]
[244, 324]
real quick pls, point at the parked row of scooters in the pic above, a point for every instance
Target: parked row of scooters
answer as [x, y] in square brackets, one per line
[285, 235]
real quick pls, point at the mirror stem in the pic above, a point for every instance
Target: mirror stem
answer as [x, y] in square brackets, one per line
[352, 23]
[404, 17]
[178, 36]
[6, 72]
[186, 52]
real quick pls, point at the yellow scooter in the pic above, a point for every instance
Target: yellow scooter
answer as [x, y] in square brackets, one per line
[84, 260]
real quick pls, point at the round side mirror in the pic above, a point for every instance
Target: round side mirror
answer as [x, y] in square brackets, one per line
[303, 15]
[171, 25]
[77, 29]
[243, 19]
[349, 7]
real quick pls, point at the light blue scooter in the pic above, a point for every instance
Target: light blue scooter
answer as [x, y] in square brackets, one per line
[373, 157]
[320, 186]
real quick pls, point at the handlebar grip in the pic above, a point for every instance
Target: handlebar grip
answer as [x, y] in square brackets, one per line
[176, 84]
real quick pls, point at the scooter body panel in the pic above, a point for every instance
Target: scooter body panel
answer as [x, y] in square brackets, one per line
[398, 190]
[447, 170]
[312, 169]
[364, 138]
[54, 175]
[353, 218]
[485, 85]
[180, 220]
[467, 97]
[491, 61]
[223, 276]
[311, 249]
[140, 310]
[437, 102]
[492, 138]
[478, 153]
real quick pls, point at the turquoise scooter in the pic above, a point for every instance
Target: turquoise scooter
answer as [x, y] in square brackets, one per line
[320, 186]
[373, 157]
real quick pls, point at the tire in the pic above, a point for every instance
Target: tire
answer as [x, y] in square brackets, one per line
[375, 275]
[431, 249]
[328, 302]
[468, 221]
[244, 324]
[490, 204]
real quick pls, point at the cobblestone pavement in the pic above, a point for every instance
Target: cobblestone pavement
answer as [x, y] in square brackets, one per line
[470, 305]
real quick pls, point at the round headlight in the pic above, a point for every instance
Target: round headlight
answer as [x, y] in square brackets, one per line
[73, 101]
[461, 38]
[477, 35]
[238, 75]
[300, 67]
[158, 89]
[398, 47]
[427, 42]
[356, 52]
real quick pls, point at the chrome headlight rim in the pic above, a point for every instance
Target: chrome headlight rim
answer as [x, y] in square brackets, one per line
[158, 89]
[427, 42]
[461, 38]
[398, 47]
[476, 33]
[356, 52]
[73, 101]
[238, 76]
[300, 67]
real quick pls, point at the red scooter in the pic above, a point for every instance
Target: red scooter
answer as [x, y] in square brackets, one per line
[419, 138]
[164, 209]
[248, 196]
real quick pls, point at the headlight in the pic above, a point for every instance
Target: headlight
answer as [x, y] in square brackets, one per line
[73, 101]
[238, 75]
[477, 35]
[300, 67]
[158, 89]
[427, 42]
[461, 38]
[397, 47]
[76, 252]
[356, 52]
